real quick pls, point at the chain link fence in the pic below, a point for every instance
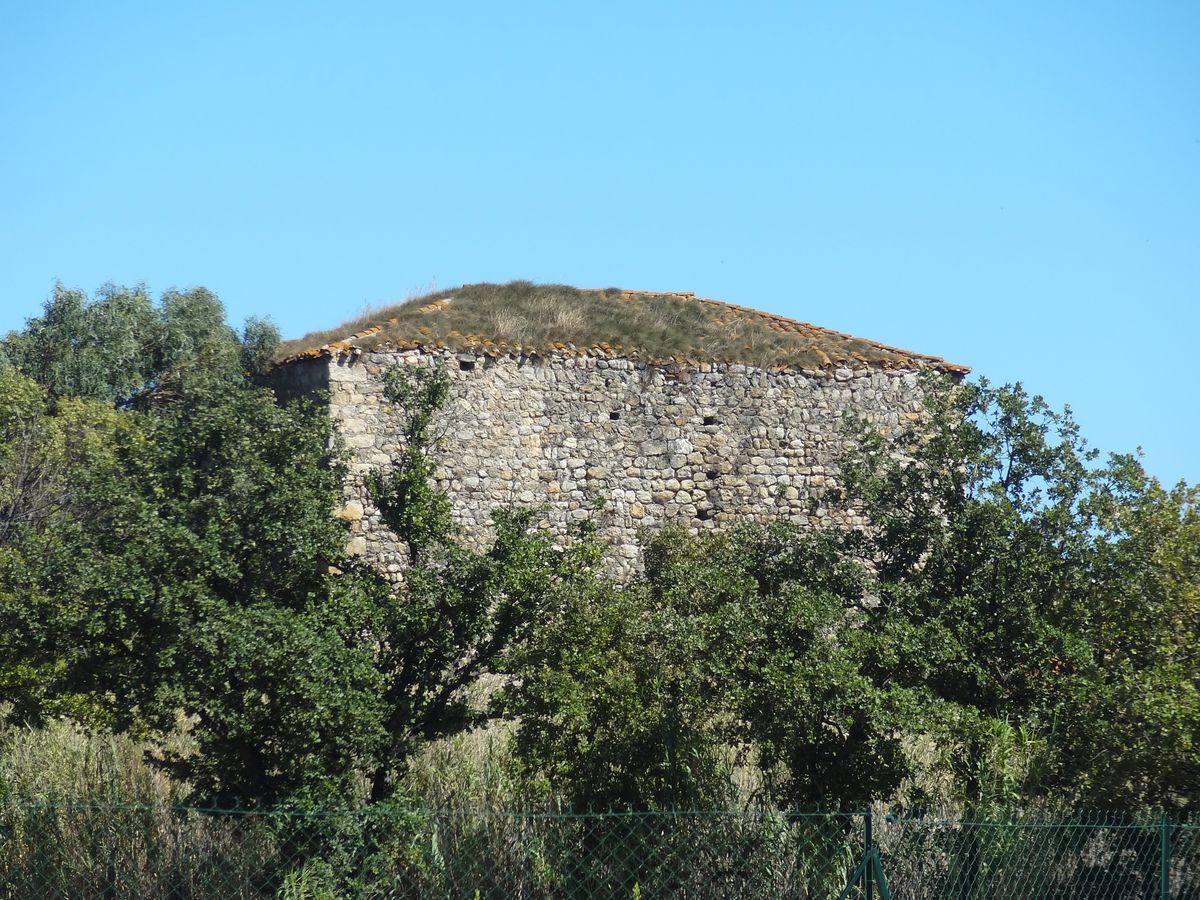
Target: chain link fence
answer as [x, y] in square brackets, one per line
[1092, 856]
[65, 850]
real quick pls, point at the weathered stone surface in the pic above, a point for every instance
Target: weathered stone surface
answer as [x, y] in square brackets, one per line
[708, 443]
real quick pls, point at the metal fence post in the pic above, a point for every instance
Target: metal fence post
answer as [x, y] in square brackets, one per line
[868, 849]
[1164, 858]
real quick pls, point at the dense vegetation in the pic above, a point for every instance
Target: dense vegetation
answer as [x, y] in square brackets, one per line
[1023, 625]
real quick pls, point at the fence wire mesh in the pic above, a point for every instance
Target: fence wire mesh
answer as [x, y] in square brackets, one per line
[102, 851]
[1090, 856]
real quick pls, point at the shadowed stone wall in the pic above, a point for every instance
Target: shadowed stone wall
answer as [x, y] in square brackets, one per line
[705, 444]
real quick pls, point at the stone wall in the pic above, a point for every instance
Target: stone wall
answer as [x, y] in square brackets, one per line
[705, 445]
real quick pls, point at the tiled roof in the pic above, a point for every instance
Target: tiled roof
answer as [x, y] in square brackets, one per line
[429, 323]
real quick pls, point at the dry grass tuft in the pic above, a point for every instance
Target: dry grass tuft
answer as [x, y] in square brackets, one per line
[510, 326]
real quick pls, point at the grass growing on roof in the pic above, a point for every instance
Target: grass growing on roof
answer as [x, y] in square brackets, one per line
[527, 317]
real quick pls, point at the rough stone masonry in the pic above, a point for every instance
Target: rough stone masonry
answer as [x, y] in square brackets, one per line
[703, 444]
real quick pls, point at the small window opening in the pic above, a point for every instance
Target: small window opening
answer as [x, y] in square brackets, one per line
[614, 416]
[466, 365]
[710, 420]
[712, 475]
[704, 514]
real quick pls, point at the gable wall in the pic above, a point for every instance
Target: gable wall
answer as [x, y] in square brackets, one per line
[706, 444]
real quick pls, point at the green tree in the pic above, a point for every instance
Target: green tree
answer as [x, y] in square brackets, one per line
[118, 344]
[616, 706]
[1136, 739]
[460, 612]
[180, 560]
[40, 453]
[203, 577]
[815, 697]
[1028, 587]
[732, 648]
[199, 581]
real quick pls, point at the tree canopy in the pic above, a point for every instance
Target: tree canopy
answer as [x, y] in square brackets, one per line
[1019, 624]
[119, 343]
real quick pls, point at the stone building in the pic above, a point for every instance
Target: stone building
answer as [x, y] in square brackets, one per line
[743, 423]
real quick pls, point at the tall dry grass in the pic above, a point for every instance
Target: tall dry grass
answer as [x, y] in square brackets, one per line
[476, 769]
[64, 760]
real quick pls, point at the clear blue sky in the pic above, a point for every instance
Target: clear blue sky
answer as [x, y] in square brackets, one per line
[1015, 186]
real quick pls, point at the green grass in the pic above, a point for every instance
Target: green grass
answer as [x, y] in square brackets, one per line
[538, 318]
